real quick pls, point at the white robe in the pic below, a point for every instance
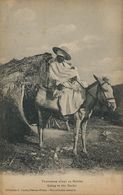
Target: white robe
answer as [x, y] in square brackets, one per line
[72, 95]
[62, 72]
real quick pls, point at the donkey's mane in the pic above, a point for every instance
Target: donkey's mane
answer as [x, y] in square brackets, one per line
[91, 85]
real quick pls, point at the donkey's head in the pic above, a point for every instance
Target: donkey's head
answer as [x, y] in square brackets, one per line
[105, 92]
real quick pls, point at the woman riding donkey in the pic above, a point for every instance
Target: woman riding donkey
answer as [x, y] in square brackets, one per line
[72, 99]
[67, 82]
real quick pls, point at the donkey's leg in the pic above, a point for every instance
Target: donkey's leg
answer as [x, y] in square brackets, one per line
[40, 129]
[67, 124]
[83, 129]
[76, 132]
[83, 135]
[40, 134]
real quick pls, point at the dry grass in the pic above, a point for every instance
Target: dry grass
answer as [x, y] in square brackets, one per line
[104, 153]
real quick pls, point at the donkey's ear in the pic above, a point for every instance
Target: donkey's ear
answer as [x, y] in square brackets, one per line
[95, 77]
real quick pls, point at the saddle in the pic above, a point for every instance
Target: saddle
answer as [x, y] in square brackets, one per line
[53, 91]
[46, 99]
[65, 100]
[53, 94]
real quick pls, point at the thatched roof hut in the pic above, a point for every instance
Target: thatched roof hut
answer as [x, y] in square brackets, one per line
[29, 70]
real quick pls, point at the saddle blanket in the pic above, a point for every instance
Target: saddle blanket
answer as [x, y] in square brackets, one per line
[68, 103]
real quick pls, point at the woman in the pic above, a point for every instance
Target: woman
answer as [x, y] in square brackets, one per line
[66, 76]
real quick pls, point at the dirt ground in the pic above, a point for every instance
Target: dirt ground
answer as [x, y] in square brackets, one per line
[104, 145]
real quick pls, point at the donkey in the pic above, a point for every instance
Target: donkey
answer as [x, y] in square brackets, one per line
[98, 92]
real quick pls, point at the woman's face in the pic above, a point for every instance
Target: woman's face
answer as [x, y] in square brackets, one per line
[60, 59]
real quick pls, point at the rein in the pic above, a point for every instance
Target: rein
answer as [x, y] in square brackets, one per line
[95, 98]
[101, 84]
[86, 90]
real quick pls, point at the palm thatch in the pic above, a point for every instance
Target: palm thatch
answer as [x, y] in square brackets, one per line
[32, 70]
[29, 69]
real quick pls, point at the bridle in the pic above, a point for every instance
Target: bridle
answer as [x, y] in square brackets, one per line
[106, 100]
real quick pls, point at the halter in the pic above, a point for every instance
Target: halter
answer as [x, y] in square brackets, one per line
[101, 84]
[107, 100]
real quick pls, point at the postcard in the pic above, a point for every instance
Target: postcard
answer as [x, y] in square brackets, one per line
[61, 89]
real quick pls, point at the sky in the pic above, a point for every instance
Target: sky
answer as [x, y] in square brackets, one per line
[91, 30]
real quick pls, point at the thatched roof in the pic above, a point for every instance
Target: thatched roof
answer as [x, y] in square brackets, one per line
[29, 69]
[13, 74]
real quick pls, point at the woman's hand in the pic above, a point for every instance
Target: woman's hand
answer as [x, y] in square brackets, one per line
[72, 67]
[60, 87]
[73, 79]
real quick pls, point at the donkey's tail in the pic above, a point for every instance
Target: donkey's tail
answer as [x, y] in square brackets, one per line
[22, 110]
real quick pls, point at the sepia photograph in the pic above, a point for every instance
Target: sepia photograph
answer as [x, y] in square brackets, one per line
[61, 97]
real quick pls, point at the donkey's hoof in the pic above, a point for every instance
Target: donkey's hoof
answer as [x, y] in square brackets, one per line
[84, 151]
[40, 146]
[75, 152]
